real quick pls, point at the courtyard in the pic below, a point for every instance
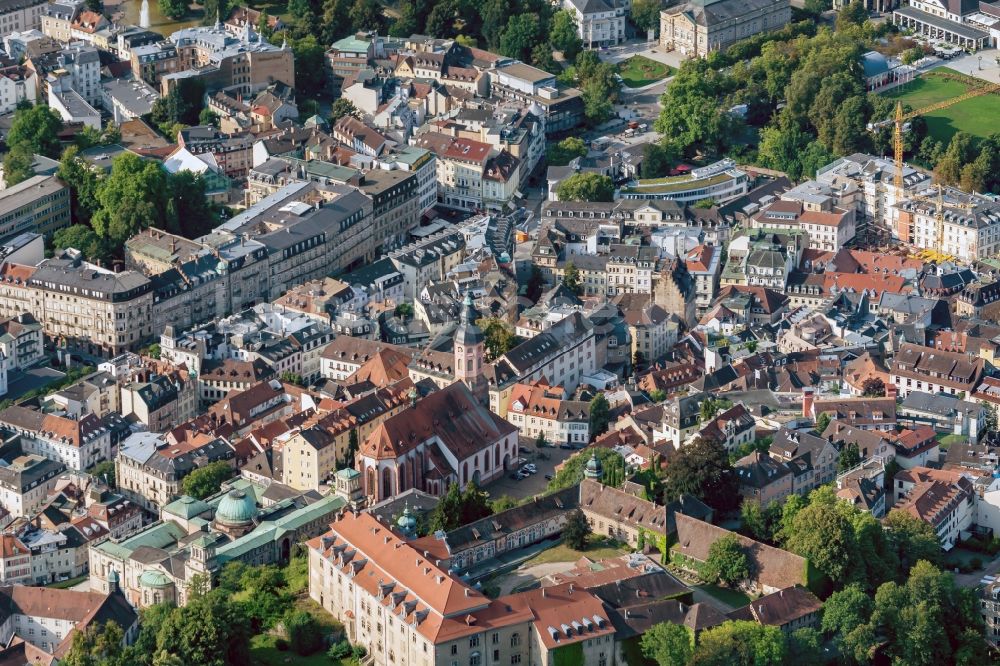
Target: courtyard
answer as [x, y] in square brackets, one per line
[977, 115]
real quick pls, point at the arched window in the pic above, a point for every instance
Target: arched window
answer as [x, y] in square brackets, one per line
[386, 483]
[515, 639]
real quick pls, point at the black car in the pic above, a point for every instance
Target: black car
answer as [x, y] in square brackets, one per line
[548, 477]
[568, 447]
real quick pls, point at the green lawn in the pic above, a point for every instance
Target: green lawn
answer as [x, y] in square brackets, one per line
[264, 653]
[977, 116]
[734, 598]
[639, 71]
[598, 548]
[946, 441]
[66, 584]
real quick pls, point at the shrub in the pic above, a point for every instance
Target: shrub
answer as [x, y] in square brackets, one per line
[281, 645]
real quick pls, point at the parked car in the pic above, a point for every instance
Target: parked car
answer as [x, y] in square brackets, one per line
[548, 477]
[568, 447]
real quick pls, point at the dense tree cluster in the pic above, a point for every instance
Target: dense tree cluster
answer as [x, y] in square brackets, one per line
[107, 209]
[459, 507]
[586, 187]
[701, 468]
[34, 130]
[925, 619]
[571, 473]
[844, 544]
[206, 481]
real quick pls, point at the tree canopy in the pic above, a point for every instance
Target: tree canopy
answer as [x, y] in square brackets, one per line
[586, 187]
[207, 480]
[701, 468]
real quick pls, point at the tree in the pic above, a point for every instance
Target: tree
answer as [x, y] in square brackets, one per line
[738, 643]
[542, 58]
[519, 38]
[342, 107]
[83, 184]
[406, 23]
[849, 457]
[132, 197]
[873, 387]
[404, 310]
[105, 471]
[852, 14]
[571, 278]
[761, 523]
[586, 187]
[563, 35]
[207, 480]
[309, 58]
[459, 508]
[18, 165]
[189, 212]
[367, 15]
[668, 644]
[563, 152]
[174, 9]
[701, 468]
[94, 6]
[208, 117]
[646, 14]
[100, 644]
[656, 161]
[35, 129]
[926, 620]
[600, 415]
[571, 472]
[304, 632]
[576, 530]
[826, 537]
[335, 21]
[804, 646]
[441, 20]
[536, 284]
[498, 337]
[823, 422]
[657, 395]
[209, 630]
[726, 562]
[708, 409]
[503, 503]
[912, 540]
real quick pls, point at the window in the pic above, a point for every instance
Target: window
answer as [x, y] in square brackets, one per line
[515, 639]
[474, 641]
[454, 649]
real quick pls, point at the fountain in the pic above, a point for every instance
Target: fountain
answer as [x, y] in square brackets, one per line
[144, 15]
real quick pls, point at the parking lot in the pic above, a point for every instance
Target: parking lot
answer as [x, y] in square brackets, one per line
[536, 483]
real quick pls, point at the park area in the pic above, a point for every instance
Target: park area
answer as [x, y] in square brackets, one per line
[977, 116]
[639, 71]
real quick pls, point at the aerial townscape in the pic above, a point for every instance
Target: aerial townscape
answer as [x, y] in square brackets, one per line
[499, 333]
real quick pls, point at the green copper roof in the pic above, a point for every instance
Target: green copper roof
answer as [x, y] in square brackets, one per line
[153, 578]
[238, 506]
[186, 507]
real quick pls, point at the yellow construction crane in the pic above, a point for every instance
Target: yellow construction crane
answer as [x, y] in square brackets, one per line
[897, 144]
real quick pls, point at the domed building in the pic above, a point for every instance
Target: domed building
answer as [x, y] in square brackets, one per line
[594, 470]
[236, 513]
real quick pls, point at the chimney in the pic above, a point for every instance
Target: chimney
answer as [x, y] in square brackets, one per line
[891, 391]
[807, 401]
[544, 593]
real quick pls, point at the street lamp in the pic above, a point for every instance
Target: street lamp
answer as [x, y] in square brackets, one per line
[980, 62]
